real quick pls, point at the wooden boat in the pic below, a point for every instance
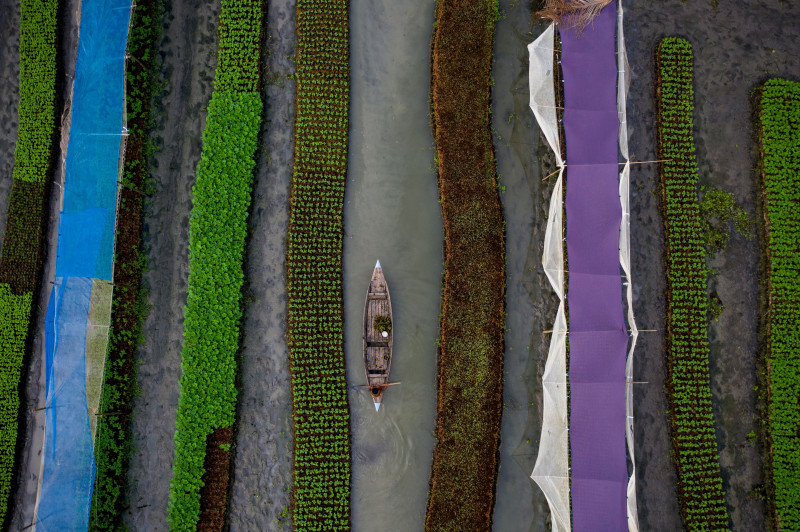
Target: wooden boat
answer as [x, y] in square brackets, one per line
[378, 335]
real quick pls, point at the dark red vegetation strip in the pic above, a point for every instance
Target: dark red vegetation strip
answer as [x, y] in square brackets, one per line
[128, 307]
[470, 380]
[214, 493]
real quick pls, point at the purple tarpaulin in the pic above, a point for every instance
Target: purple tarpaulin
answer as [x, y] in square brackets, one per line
[598, 337]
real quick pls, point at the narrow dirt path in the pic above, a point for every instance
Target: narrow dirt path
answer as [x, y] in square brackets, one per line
[9, 99]
[188, 54]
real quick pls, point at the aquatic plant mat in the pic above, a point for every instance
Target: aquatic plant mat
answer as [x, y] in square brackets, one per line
[778, 123]
[470, 379]
[320, 412]
[701, 495]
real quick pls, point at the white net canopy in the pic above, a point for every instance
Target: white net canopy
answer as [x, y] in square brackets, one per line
[623, 84]
[551, 471]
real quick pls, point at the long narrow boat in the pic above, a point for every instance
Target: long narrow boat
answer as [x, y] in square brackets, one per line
[378, 335]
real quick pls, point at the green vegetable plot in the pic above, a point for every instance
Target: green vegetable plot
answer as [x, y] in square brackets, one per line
[20, 263]
[314, 269]
[778, 125]
[701, 496]
[217, 231]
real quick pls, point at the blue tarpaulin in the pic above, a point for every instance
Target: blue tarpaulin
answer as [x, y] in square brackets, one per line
[84, 252]
[69, 467]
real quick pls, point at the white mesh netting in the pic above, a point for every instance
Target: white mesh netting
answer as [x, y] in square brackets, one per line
[623, 84]
[551, 471]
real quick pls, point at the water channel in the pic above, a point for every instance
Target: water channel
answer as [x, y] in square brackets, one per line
[392, 214]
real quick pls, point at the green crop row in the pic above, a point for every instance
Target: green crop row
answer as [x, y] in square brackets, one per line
[239, 54]
[701, 495]
[217, 231]
[778, 125]
[112, 443]
[15, 311]
[470, 358]
[37, 90]
[20, 262]
[321, 413]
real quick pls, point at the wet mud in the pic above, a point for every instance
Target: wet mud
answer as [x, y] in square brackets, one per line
[262, 478]
[737, 46]
[187, 52]
[530, 301]
[9, 100]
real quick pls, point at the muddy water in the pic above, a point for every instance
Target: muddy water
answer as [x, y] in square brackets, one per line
[392, 214]
[187, 51]
[737, 45]
[530, 302]
[9, 99]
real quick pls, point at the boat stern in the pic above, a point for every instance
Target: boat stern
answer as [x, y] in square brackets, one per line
[377, 395]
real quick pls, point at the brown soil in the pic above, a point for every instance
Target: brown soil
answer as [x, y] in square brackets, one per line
[470, 390]
[214, 493]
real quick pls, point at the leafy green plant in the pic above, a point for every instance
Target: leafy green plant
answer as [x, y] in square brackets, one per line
[717, 307]
[15, 311]
[314, 269]
[777, 124]
[694, 446]
[217, 231]
[21, 259]
[382, 323]
[717, 210]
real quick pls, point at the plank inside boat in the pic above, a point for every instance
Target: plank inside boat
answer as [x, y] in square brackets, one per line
[377, 347]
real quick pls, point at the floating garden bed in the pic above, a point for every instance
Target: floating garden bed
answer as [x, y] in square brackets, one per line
[470, 380]
[217, 231]
[22, 255]
[701, 496]
[321, 415]
[778, 123]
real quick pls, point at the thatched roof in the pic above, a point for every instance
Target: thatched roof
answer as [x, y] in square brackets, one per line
[575, 13]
